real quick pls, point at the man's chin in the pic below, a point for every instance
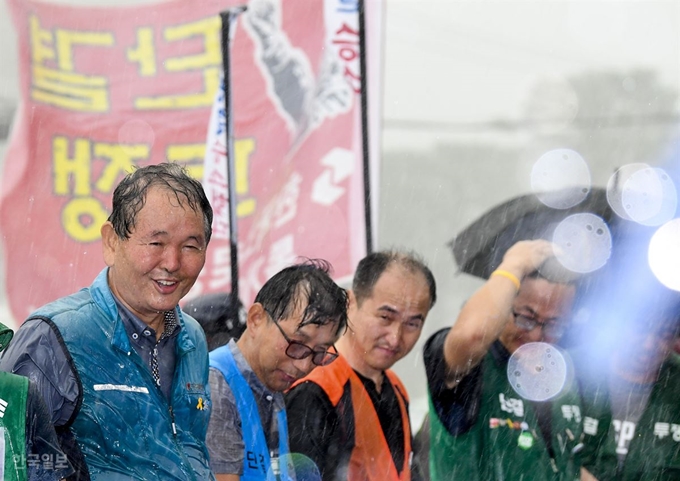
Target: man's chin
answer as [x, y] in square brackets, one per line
[385, 361]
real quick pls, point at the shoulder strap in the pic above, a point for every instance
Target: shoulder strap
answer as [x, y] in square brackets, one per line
[331, 378]
[72, 365]
[256, 461]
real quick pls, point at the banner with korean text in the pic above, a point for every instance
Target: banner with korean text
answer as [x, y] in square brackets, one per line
[107, 89]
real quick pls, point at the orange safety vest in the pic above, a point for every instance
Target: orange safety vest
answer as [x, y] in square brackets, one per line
[371, 459]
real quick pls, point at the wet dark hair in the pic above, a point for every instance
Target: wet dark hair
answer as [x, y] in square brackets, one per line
[307, 283]
[130, 195]
[372, 266]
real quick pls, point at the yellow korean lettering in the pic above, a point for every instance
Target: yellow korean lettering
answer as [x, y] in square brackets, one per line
[144, 53]
[121, 161]
[70, 91]
[39, 38]
[66, 39]
[83, 217]
[209, 28]
[190, 156]
[242, 150]
[211, 81]
[76, 168]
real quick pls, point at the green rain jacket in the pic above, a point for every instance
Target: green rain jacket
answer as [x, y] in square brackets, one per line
[654, 451]
[13, 401]
[125, 427]
[505, 441]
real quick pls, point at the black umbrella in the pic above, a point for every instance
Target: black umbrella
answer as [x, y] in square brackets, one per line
[218, 318]
[480, 247]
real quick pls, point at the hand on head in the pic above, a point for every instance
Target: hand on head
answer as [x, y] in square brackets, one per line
[525, 257]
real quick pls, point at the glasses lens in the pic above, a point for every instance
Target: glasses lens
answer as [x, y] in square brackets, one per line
[553, 330]
[297, 350]
[323, 358]
[525, 323]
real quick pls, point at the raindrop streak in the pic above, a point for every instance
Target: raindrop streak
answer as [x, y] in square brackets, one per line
[615, 187]
[584, 241]
[649, 197]
[664, 256]
[560, 178]
[541, 380]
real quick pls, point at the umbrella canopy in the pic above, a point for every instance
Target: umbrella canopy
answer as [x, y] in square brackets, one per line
[479, 248]
[219, 320]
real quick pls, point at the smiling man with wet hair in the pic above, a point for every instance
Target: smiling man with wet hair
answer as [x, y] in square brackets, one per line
[123, 371]
[291, 327]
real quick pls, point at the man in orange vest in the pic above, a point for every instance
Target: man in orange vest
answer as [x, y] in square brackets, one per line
[351, 417]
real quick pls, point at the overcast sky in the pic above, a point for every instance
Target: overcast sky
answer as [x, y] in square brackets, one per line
[469, 61]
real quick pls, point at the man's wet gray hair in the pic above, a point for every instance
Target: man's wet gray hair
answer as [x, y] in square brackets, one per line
[130, 195]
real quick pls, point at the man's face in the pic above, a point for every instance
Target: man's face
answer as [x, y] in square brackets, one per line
[542, 301]
[152, 270]
[646, 347]
[270, 363]
[385, 327]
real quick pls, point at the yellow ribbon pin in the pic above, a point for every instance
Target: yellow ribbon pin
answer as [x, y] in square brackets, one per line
[200, 404]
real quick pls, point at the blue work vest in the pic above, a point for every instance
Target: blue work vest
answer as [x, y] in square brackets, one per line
[125, 427]
[257, 461]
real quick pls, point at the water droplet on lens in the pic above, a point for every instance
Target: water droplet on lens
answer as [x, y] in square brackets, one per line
[585, 242]
[542, 378]
[560, 178]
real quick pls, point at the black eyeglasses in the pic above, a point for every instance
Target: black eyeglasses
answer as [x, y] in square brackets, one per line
[297, 350]
[554, 330]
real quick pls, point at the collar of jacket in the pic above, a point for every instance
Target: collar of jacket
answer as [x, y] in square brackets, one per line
[103, 297]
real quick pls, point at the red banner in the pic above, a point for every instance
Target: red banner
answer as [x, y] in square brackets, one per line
[105, 89]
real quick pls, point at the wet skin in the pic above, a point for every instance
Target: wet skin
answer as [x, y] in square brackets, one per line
[540, 300]
[264, 347]
[159, 263]
[385, 327]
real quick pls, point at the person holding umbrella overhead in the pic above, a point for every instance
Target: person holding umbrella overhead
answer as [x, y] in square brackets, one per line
[480, 429]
